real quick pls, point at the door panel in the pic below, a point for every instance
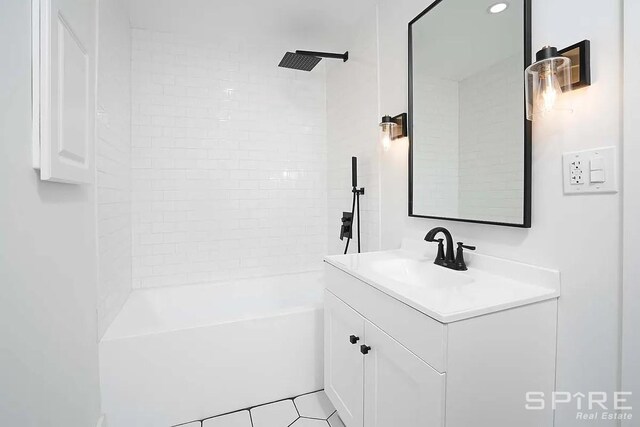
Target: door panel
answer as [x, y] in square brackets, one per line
[399, 388]
[631, 241]
[67, 90]
[344, 364]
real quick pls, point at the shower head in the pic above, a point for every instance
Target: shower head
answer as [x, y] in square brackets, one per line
[306, 60]
[296, 61]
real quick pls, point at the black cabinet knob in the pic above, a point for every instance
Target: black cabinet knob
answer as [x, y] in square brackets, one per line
[354, 339]
[364, 349]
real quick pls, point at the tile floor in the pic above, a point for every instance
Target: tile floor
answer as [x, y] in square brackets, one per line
[308, 410]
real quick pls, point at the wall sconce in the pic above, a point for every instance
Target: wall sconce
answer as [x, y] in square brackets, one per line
[554, 73]
[393, 128]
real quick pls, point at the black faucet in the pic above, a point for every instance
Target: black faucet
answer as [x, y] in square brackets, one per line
[447, 259]
[441, 259]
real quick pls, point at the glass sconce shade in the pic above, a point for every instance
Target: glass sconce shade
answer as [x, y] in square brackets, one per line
[546, 80]
[386, 129]
[386, 140]
[392, 128]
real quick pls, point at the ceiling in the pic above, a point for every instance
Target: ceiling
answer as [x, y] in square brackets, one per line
[458, 38]
[300, 24]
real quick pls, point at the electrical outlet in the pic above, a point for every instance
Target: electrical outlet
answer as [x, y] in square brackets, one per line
[590, 171]
[577, 176]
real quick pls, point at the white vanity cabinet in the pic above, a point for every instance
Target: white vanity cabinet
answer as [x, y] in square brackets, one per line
[344, 363]
[390, 386]
[399, 388]
[390, 365]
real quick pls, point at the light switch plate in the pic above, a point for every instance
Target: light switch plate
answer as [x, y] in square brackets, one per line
[584, 171]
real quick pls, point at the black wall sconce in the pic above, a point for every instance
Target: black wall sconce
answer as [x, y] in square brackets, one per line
[555, 72]
[393, 128]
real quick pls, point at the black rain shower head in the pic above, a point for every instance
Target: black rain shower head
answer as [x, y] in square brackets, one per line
[299, 62]
[306, 60]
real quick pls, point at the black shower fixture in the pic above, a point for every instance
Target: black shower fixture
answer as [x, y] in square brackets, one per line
[346, 230]
[306, 60]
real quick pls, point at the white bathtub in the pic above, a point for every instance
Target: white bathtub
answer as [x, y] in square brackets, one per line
[185, 353]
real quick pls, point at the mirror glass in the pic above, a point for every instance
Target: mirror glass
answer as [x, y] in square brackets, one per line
[470, 141]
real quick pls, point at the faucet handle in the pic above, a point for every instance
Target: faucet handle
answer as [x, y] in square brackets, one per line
[440, 255]
[460, 263]
[462, 245]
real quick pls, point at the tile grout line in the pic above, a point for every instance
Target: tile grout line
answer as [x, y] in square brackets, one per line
[296, 406]
[293, 400]
[335, 411]
[248, 409]
[319, 419]
[326, 420]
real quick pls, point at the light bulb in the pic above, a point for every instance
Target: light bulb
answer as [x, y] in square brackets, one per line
[386, 139]
[388, 132]
[549, 96]
[549, 89]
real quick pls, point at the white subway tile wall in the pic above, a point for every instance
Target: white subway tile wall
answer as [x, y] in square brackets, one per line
[113, 160]
[491, 147]
[352, 117]
[468, 158]
[229, 161]
[436, 156]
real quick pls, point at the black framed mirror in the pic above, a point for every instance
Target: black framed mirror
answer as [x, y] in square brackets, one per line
[469, 140]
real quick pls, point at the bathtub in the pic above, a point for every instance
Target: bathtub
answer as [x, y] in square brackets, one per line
[185, 353]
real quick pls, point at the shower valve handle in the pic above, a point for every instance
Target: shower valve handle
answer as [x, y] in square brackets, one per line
[354, 339]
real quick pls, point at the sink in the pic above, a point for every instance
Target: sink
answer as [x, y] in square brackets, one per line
[420, 273]
[490, 284]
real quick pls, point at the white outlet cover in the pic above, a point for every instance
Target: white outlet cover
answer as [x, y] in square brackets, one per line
[581, 163]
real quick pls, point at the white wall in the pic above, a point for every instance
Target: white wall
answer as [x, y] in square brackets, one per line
[48, 351]
[352, 130]
[580, 236]
[631, 273]
[229, 161]
[113, 160]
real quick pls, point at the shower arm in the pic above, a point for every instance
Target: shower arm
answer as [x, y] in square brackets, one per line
[343, 56]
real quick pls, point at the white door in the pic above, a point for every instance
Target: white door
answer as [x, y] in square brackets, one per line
[399, 388]
[631, 213]
[344, 364]
[67, 89]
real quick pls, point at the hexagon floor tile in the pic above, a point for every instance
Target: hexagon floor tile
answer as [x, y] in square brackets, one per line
[278, 414]
[308, 410]
[314, 405]
[236, 419]
[309, 422]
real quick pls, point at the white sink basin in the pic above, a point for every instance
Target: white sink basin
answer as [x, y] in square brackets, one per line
[490, 285]
[420, 272]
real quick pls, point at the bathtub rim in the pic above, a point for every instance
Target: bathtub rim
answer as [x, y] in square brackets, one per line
[110, 335]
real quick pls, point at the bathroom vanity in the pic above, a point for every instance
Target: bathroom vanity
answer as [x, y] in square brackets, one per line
[409, 343]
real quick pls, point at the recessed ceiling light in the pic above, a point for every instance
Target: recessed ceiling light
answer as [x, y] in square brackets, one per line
[498, 7]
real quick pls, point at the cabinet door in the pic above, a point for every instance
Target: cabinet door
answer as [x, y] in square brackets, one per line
[67, 89]
[399, 388]
[344, 363]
